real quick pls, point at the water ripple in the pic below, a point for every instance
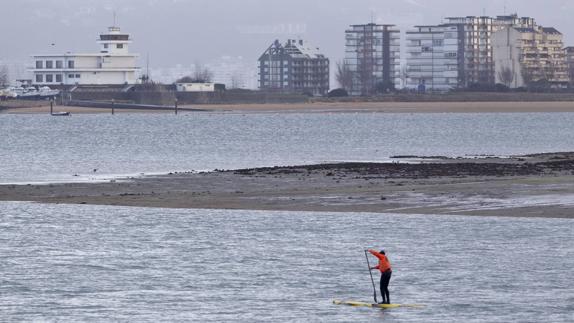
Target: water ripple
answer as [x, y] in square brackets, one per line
[94, 263]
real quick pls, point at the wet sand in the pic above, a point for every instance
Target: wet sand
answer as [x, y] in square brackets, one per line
[75, 110]
[520, 186]
[396, 107]
[339, 107]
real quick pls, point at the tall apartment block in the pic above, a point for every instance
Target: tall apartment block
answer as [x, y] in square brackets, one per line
[433, 58]
[475, 33]
[372, 57]
[475, 53]
[569, 52]
[294, 67]
[526, 55]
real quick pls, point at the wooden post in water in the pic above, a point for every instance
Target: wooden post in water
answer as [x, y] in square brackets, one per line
[113, 106]
[175, 106]
[51, 106]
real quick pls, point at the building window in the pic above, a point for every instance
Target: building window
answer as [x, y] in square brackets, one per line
[39, 65]
[71, 64]
[58, 78]
[120, 46]
[70, 76]
[106, 46]
[49, 64]
[78, 76]
[39, 78]
[49, 78]
[59, 64]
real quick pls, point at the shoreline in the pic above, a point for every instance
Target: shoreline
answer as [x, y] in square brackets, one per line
[332, 107]
[519, 186]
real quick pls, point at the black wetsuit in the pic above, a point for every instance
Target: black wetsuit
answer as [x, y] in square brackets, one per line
[385, 279]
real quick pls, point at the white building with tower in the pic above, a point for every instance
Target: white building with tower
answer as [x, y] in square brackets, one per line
[113, 65]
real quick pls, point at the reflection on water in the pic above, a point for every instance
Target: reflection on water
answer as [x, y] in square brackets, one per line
[78, 263]
[39, 147]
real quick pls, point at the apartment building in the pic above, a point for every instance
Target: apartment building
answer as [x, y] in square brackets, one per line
[514, 21]
[475, 34]
[294, 67]
[113, 65]
[476, 51]
[569, 52]
[372, 57]
[433, 61]
[526, 55]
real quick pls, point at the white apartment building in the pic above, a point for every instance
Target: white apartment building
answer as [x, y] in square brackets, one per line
[525, 55]
[113, 65]
[433, 58]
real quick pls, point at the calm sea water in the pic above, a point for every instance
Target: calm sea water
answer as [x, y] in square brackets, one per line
[44, 148]
[94, 263]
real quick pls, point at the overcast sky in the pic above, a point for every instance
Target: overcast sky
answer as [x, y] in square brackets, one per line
[187, 31]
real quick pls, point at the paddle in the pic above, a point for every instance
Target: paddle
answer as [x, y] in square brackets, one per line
[372, 280]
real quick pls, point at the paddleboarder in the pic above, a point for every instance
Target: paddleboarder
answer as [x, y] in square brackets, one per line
[384, 267]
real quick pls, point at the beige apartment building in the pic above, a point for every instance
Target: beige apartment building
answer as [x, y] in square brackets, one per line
[569, 52]
[526, 55]
[476, 50]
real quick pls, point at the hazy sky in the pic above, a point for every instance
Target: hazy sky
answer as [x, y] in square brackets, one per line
[187, 31]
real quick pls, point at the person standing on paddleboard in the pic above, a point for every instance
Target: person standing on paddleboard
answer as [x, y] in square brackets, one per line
[384, 267]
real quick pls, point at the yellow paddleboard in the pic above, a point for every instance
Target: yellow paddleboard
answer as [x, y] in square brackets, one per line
[363, 304]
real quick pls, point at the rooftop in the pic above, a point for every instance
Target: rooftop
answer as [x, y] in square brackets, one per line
[302, 48]
[551, 30]
[294, 48]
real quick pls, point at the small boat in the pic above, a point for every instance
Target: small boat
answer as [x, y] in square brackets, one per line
[61, 114]
[31, 93]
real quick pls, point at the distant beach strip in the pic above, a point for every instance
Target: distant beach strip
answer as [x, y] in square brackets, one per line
[322, 107]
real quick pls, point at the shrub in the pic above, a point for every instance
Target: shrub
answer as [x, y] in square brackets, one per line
[499, 87]
[338, 93]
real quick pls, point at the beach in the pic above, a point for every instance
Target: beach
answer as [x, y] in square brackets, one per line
[332, 107]
[539, 185]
